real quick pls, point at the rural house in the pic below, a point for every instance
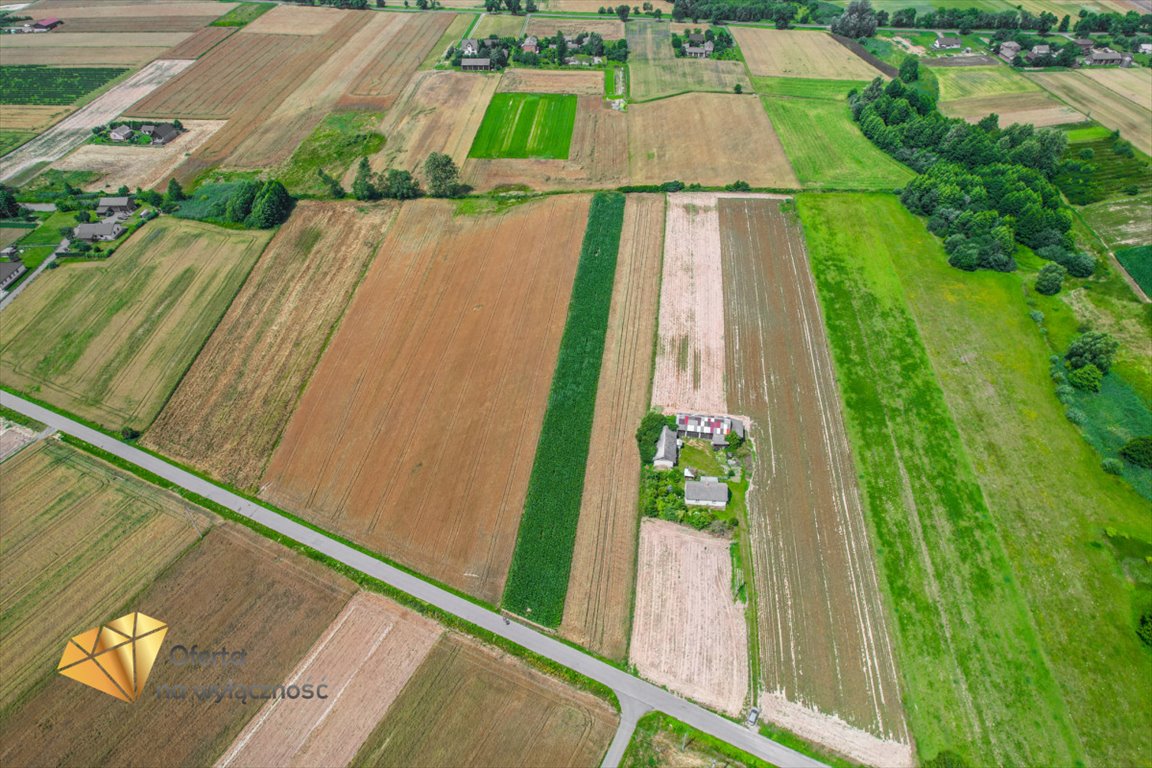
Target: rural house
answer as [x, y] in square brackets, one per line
[10, 272]
[530, 45]
[45, 25]
[667, 450]
[108, 229]
[475, 65]
[706, 492]
[714, 428]
[1085, 45]
[120, 133]
[1103, 58]
[469, 47]
[115, 205]
[1009, 50]
[947, 43]
[1038, 52]
[1145, 48]
[160, 134]
[699, 51]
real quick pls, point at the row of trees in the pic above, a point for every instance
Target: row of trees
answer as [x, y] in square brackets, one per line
[984, 188]
[781, 12]
[440, 174]
[501, 50]
[515, 7]
[967, 19]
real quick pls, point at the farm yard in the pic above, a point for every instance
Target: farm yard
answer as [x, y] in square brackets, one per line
[597, 611]
[655, 71]
[817, 592]
[277, 604]
[109, 340]
[470, 705]
[796, 53]
[79, 539]
[230, 409]
[526, 125]
[442, 350]
[688, 631]
[366, 656]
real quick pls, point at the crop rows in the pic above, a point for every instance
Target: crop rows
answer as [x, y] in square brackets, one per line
[538, 579]
[38, 84]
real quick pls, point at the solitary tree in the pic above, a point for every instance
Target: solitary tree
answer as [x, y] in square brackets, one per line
[622, 11]
[442, 175]
[1092, 348]
[858, 20]
[175, 192]
[738, 88]
[1064, 24]
[1138, 450]
[9, 208]
[1050, 280]
[362, 186]
[910, 69]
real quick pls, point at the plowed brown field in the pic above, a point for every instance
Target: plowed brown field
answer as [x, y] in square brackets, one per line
[596, 613]
[200, 43]
[689, 632]
[234, 590]
[823, 635]
[232, 405]
[381, 82]
[415, 435]
[366, 657]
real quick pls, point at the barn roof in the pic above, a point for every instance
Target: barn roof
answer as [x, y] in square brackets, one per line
[666, 448]
[706, 489]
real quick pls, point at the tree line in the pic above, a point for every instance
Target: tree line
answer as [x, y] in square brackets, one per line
[440, 173]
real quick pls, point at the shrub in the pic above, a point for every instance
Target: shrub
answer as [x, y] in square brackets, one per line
[1144, 628]
[649, 432]
[1087, 378]
[738, 186]
[128, 433]
[946, 759]
[1050, 280]
[1074, 415]
[1138, 451]
[1064, 393]
[1112, 466]
[1092, 348]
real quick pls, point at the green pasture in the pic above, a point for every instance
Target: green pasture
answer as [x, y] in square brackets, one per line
[526, 125]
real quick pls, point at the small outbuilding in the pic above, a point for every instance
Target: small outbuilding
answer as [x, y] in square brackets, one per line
[706, 492]
[109, 229]
[1103, 57]
[115, 205]
[667, 450]
[46, 25]
[1145, 48]
[476, 65]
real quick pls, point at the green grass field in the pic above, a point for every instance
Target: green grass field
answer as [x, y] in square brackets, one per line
[538, 577]
[1137, 261]
[37, 84]
[974, 82]
[526, 125]
[826, 148]
[242, 14]
[341, 139]
[976, 680]
[806, 88]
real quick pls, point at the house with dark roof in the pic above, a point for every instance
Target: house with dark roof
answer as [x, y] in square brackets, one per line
[530, 45]
[1009, 50]
[115, 205]
[1085, 45]
[109, 229]
[10, 272]
[942, 43]
[475, 65]
[45, 25]
[706, 492]
[667, 450]
[161, 133]
[1103, 57]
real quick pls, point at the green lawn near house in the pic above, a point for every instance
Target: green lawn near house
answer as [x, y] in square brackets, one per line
[526, 125]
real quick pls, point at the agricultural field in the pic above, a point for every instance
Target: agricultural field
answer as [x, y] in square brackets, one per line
[79, 539]
[227, 415]
[50, 86]
[200, 43]
[817, 596]
[971, 652]
[21, 117]
[609, 29]
[655, 71]
[958, 83]
[438, 112]
[73, 10]
[580, 83]
[796, 53]
[243, 14]
[75, 129]
[526, 125]
[538, 577]
[1134, 84]
[1110, 170]
[277, 604]
[110, 49]
[689, 633]
[366, 656]
[597, 612]
[1121, 222]
[338, 141]
[109, 340]
[10, 140]
[295, 20]
[1105, 106]
[470, 705]
[1038, 109]
[500, 25]
[1137, 261]
[827, 149]
[454, 331]
[719, 151]
[381, 82]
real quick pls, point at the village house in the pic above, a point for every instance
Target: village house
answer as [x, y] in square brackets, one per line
[714, 428]
[1009, 50]
[160, 134]
[108, 229]
[475, 65]
[530, 45]
[10, 272]
[1145, 48]
[1038, 52]
[706, 492]
[667, 450]
[469, 47]
[1102, 58]
[120, 133]
[699, 51]
[942, 43]
[115, 205]
[1085, 45]
[44, 25]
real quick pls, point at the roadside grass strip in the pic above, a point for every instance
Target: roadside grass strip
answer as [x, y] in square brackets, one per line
[538, 578]
[522, 125]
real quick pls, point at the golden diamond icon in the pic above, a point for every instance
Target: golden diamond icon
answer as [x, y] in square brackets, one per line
[117, 657]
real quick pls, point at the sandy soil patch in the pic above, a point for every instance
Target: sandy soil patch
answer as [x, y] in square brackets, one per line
[296, 20]
[416, 433]
[1038, 109]
[27, 117]
[598, 606]
[13, 437]
[136, 166]
[75, 129]
[552, 81]
[688, 632]
[703, 137]
[689, 373]
[909, 46]
[609, 29]
[366, 657]
[796, 53]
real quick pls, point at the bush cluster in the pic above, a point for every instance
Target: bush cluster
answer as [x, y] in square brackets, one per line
[649, 432]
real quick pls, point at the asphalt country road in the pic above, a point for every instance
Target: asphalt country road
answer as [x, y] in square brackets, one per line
[636, 696]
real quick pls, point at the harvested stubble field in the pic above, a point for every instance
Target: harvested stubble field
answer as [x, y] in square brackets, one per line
[75, 129]
[131, 10]
[1038, 109]
[76, 56]
[980, 82]
[109, 340]
[234, 590]
[689, 370]
[1134, 84]
[78, 539]
[135, 22]
[823, 638]
[655, 71]
[581, 83]
[454, 332]
[1105, 106]
[366, 656]
[598, 607]
[471, 705]
[571, 6]
[200, 43]
[796, 53]
[689, 632]
[28, 117]
[137, 166]
[231, 407]
[500, 25]
[719, 151]
[438, 112]
[383, 80]
[296, 20]
[609, 29]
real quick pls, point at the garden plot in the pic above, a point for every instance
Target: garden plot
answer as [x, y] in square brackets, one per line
[416, 433]
[796, 53]
[689, 632]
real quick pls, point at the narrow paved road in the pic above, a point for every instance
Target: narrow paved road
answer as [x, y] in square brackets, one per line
[636, 696]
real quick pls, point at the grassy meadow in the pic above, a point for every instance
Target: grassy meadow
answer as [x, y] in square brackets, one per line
[341, 139]
[526, 125]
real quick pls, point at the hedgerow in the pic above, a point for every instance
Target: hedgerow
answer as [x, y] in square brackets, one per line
[538, 579]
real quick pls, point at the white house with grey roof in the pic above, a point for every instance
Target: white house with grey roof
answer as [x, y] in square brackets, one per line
[706, 492]
[109, 229]
[667, 450]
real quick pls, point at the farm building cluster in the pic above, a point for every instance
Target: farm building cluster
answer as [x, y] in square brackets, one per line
[703, 491]
[1082, 52]
[572, 50]
[38, 26]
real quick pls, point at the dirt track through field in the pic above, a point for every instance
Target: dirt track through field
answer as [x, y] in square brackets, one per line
[689, 632]
[366, 657]
[416, 434]
[75, 129]
[823, 635]
[599, 603]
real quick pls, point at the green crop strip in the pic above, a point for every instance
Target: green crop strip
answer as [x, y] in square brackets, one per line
[37, 84]
[526, 125]
[538, 579]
